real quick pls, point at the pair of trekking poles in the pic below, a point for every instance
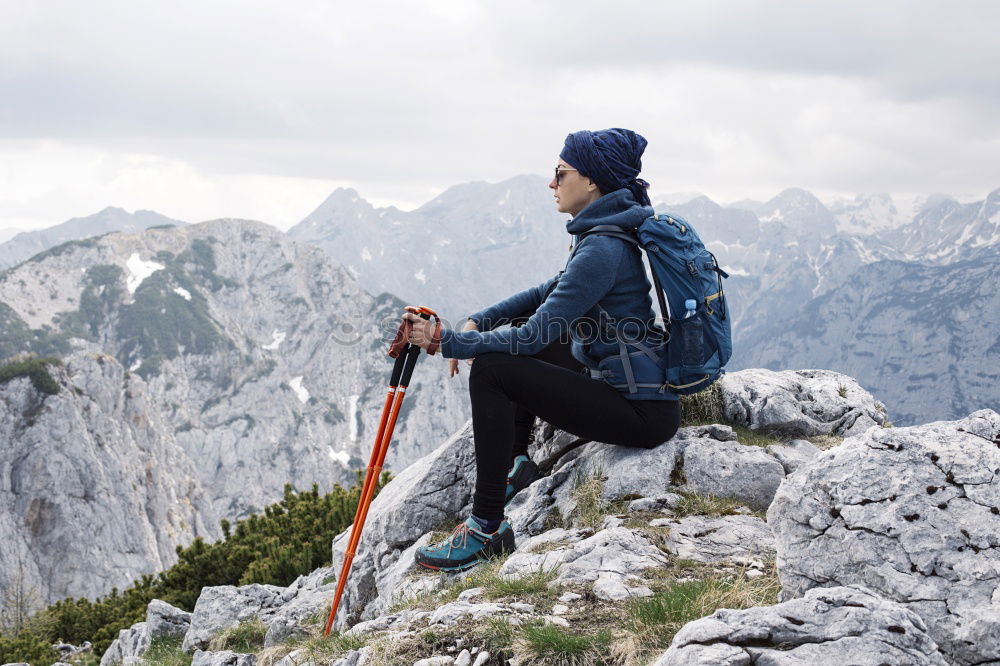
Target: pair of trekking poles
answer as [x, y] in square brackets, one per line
[406, 355]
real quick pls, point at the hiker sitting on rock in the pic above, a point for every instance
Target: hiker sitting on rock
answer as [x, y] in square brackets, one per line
[530, 370]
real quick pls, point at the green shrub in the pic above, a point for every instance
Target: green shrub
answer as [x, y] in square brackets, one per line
[290, 538]
[36, 370]
[29, 648]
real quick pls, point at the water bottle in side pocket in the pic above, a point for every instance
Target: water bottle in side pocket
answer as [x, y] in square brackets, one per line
[692, 336]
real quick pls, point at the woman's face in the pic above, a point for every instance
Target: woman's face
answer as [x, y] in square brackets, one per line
[572, 191]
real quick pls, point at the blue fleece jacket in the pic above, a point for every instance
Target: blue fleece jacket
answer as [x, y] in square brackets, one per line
[603, 273]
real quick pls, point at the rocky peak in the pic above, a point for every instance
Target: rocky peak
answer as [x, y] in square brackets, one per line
[798, 210]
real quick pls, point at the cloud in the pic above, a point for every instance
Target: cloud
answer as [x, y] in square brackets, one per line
[403, 99]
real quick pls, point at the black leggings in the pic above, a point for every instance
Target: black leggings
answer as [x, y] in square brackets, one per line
[508, 391]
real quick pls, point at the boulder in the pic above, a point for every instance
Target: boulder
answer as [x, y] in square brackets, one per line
[799, 403]
[793, 454]
[226, 606]
[131, 642]
[613, 555]
[627, 472]
[223, 658]
[911, 513]
[829, 626]
[166, 620]
[730, 469]
[724, 539]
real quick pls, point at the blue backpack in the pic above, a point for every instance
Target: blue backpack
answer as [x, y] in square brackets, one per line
[698, 347]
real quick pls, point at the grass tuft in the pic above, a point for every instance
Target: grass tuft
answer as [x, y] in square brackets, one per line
[550, 644]
[166, 652]
[703, 408]
[655, 620]
[590, 507]
[246, 637]
[693, 504]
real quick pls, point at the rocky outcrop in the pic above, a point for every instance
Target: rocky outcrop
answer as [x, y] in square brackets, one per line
[828, 626]
[911, 513]
[74, 465]
[162, 621]
[727, 538]
[870, 573]
[236, 361]
[731, 469]
[799, 403]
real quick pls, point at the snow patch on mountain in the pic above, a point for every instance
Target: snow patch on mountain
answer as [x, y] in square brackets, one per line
[352, 418]
[138, 271]
[277, 337]
[341, 457]
[183, 293]
[300, 391]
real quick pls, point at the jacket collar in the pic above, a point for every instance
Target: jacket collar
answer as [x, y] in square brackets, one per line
[618, 208]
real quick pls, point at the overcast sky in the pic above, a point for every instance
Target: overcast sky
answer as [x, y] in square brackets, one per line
[259, 109]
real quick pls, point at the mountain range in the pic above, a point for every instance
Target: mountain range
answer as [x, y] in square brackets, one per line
[207, 365]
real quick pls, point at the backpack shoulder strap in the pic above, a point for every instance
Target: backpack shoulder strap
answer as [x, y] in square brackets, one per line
[618, 232]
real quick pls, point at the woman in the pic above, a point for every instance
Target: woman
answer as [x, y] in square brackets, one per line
[524, 371]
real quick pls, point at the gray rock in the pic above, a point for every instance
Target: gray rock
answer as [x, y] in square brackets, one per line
[798, 403]
[911, 513]
[434, 661]
[793, 454]
[612, 587]
[731, 469]
[663, 502]
[551, 445]
[481, 658]
[528, 512]
[829, 626]
[627, 472]
[464, 658]
[226, 606]
[616, 554]
[421, 497]
[223, 658]
[727, 538]
[131, 642]
[354, 658]
[100, 447]
[166, 620]
[451, 613]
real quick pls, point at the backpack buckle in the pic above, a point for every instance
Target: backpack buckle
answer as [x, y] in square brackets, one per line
[692, 268]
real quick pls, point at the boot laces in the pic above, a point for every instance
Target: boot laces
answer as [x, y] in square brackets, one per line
[459, 539]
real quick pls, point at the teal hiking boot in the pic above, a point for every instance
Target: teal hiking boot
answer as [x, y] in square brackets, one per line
[521, 475]
[466, 547]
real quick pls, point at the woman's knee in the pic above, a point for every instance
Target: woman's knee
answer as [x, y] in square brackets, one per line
[487, 361]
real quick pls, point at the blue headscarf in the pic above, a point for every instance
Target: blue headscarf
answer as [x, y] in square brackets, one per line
[610, 158]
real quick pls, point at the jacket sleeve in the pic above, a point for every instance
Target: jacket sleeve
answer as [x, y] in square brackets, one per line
[589, 275]
[503, 312]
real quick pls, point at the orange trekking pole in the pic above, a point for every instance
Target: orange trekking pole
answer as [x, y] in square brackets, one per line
[406, 359]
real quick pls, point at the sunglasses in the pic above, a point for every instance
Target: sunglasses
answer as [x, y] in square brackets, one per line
[559, 174]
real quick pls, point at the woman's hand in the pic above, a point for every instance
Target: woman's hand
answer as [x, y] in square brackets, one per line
[453, 362]
[422, 331]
